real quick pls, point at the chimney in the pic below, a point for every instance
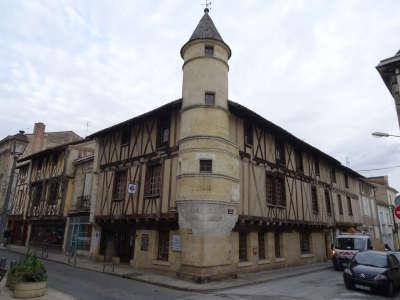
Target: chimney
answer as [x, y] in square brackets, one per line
[38, 137]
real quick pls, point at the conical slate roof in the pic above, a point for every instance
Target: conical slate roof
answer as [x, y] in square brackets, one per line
[206, 30]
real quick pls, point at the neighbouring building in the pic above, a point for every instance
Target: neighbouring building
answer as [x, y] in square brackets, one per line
[388, 223]
[206, 188]
[48, 200]
[389, 69]
[369, 212]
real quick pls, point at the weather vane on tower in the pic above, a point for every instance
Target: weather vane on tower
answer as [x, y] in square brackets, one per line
[207, 6]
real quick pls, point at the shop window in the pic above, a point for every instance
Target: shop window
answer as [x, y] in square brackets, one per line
[340, 204]
[328, 203]
[349, 206]
[209, 98]
[153, 181]
[248, 134]
[280, 153]
[299, 161]
[261, 245]
[314, 200]
[119, 191]
[163, 132]
[209, 50]
[277, 244]
[242, 246]
[275, 189]
[305, 242]
[163, 245]
[206, 166]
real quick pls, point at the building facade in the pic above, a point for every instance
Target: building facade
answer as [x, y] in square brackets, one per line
[204, 187]
[369, 212]
[388, 223]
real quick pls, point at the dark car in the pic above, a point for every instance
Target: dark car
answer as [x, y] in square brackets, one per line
[373, 270]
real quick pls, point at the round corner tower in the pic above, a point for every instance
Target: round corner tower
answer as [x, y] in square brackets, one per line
[208, 167]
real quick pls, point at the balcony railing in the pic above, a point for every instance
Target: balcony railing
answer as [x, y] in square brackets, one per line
[83, 203]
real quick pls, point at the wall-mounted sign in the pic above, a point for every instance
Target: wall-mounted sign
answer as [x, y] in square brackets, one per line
[132, 188]
[230, 211]
[176, 243]
[144, 242]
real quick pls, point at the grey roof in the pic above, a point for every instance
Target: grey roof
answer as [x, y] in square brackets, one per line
[206, 30]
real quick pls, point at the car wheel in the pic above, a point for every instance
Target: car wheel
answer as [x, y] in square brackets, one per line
[348, 284]
[390, 289]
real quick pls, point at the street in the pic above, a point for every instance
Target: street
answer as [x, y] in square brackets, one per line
[84, 284]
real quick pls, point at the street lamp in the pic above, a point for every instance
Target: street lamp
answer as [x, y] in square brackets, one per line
[18, 145]
[383, 134]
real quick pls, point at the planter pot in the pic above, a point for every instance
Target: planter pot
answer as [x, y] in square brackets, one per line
[30, 289]
[10, 283]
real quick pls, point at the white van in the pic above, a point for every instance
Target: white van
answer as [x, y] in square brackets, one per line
[346, 246]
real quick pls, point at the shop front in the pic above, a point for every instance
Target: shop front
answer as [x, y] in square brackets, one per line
[79, 234]
[49, 233]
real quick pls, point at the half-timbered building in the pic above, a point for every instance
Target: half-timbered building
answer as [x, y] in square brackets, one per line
[206, 187]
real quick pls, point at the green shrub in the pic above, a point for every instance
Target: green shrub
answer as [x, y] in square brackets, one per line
[28, 269]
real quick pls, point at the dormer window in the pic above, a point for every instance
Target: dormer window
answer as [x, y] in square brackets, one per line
[209, 98]
[209, 50]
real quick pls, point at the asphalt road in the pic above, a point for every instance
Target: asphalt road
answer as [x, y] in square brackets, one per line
[84, 284]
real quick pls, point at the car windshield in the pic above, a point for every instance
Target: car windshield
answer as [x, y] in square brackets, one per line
[371, 259]
[350, 243]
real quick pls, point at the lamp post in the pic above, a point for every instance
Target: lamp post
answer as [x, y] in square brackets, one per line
[19, 142]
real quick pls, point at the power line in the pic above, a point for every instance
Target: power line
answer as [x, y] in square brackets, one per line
[378, 169]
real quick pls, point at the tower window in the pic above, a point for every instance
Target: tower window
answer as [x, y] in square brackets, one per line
[205, 166]
[209, 98]
[209, 50]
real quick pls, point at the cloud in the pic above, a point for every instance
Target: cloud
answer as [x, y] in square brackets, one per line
[308, 66]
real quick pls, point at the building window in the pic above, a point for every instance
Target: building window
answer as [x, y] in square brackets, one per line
[119, 185]
[340, 204]
[242, 246]
[299, 161]
[328, 203]
[37, 190]
[333, 175]
[153, 181]
[305, 242]
[275, 189]
[349, 207]
[314, 200]
[125, 136]
[40, 164]
[163, 245]
[163, 132]
[346, 181]
[277, 242]
[316, 166]
[261, 245]
[280, 153]
[52, 193]
[209, 98]
[206, 166]
[209, 50]
[248, 134]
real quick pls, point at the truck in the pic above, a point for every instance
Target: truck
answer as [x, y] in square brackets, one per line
[346, 246]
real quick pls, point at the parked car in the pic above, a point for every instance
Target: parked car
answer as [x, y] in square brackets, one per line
[373, 270]
[346, 246]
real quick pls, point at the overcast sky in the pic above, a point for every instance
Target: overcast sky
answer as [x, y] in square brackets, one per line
[308, 66]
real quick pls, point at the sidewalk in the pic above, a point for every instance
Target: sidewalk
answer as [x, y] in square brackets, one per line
[170, 281]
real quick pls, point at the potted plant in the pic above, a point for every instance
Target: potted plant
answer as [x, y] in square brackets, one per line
[28, 277]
